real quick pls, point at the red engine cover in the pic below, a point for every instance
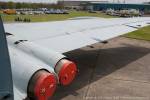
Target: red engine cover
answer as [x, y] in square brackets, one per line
[42, 85]
[67, 72]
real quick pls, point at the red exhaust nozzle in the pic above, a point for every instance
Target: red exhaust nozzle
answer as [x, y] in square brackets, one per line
[42, 85]
[67, 71]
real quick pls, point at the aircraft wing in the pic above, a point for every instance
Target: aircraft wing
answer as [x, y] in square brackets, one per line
[64, 36]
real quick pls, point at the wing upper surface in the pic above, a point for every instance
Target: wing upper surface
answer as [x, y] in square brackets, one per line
[64, 36]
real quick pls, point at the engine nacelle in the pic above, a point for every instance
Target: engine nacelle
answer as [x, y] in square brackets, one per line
[31, 76]
[65, 69]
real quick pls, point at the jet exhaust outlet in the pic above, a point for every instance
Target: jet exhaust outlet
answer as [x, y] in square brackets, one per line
[42, 85]
[66, 71]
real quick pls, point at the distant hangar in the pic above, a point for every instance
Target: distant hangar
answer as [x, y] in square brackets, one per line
[102, 5]
[117, 6]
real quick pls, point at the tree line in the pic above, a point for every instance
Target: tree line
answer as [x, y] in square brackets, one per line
[18, 5]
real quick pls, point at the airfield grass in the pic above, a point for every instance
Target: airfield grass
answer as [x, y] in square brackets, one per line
[142, 34]
[1, 12]
[53, 17]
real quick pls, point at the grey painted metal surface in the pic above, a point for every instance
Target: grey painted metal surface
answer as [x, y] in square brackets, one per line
[23, 67]
[6, 85]
[44, 54]
[64, 36]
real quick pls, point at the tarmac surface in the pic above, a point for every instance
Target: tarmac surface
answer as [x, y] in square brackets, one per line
[118, 70]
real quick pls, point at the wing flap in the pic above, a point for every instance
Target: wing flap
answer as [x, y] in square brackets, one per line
[66, 43]
[138, 25]
[80, 39]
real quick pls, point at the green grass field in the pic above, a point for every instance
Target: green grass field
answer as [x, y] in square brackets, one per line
[53, 17]
[143, 34]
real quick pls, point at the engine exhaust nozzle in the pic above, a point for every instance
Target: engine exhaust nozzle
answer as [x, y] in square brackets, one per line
[66, 71]
[42, 85]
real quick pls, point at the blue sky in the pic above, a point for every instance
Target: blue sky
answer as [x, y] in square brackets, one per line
[51, 1]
